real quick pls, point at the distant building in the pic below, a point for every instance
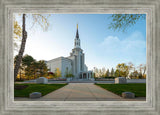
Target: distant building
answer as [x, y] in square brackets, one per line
[74, 64]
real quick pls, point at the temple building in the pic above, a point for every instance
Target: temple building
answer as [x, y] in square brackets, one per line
[74, 64]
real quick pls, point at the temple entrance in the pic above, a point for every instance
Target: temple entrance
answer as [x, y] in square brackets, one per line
[82, 76]
[85, 75]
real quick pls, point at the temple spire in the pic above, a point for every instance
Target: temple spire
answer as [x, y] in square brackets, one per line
[77, 40]
[77, 34]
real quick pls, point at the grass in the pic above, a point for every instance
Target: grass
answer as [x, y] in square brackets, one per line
[138, 88]
[43, 88]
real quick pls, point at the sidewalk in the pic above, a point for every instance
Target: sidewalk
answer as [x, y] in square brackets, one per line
[80, 92]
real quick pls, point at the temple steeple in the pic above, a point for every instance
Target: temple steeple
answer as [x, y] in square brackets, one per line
[77, 40]
[77, 34]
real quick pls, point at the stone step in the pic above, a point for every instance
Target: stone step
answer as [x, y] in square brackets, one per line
[80, 80]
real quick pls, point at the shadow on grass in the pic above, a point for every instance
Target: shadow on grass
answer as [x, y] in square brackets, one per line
[29, 88]
[138, 88]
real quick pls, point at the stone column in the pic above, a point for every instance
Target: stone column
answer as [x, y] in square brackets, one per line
[82, 75]
[83, 62]
[87, 75]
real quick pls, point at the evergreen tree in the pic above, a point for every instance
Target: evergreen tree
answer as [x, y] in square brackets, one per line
[43, 70]
[107, 73]
[103, 72]
[27, 61]
[32, 68]
[112, 72]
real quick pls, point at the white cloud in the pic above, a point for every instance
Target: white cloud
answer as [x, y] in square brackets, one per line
[131, 48]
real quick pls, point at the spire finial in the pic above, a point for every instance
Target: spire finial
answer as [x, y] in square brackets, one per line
[77, 25]
[77, 35]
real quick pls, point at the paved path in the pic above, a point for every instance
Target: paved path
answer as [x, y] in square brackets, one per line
[80, 92]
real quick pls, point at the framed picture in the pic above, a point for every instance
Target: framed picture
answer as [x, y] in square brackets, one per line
[10, 11]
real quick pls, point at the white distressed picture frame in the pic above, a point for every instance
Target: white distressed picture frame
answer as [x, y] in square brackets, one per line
[149, 107]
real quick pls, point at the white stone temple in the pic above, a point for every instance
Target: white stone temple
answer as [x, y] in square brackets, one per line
[75, 63]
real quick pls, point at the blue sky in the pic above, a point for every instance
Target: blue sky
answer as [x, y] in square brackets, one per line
[103, 47]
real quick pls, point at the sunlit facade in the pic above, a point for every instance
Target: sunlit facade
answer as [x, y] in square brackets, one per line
[74, 64]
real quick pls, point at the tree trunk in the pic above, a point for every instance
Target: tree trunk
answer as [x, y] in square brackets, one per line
[20, 75]
[21, 51]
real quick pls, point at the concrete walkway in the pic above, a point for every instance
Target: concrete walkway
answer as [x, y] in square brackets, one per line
[81, 92]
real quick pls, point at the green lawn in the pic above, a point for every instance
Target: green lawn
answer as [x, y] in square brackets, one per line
[138, 88]
[43, 88]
